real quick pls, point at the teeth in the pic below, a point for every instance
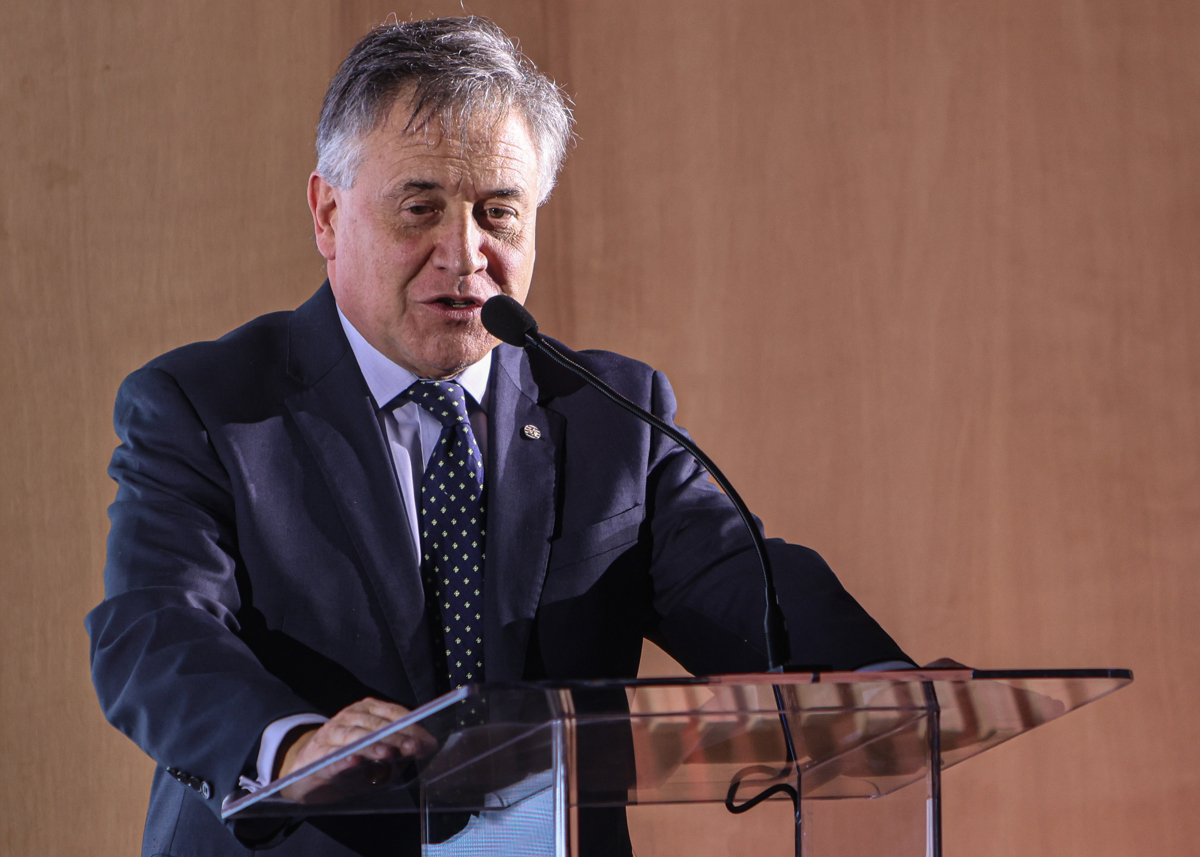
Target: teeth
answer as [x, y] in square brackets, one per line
[458, 304]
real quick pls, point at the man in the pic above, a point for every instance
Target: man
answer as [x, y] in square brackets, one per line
[274, 587]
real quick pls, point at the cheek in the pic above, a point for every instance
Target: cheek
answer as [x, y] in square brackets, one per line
[515, 267]
[390, 268]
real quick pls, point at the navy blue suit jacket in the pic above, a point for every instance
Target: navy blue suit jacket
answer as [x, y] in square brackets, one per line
[260, 564]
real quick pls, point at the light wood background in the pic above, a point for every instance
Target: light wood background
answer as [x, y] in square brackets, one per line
[924, 275]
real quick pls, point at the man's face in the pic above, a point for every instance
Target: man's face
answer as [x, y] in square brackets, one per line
[435, 224]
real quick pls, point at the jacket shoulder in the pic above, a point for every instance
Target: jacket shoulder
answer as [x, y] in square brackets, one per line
[252, 347]
[610, 364]
[241, 377]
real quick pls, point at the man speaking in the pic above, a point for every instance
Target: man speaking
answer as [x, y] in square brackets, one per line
[330, 516]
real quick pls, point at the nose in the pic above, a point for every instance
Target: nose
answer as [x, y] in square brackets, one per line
[459, 247]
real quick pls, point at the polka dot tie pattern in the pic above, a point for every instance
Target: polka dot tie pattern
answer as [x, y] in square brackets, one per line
[452, 528]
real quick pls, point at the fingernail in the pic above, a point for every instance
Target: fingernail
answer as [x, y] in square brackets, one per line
[409, 746]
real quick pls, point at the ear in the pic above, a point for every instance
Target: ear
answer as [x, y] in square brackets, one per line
[322, 202]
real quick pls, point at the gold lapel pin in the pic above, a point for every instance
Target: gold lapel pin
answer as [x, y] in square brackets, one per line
[532, 432]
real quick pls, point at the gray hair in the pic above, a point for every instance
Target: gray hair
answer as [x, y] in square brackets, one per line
[452, 68]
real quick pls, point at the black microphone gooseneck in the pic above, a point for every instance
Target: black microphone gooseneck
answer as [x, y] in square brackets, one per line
[507, 320]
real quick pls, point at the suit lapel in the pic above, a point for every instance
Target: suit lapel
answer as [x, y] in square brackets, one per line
[337, 418]
[522, 485]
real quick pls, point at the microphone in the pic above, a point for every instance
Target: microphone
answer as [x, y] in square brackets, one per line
[506, 319]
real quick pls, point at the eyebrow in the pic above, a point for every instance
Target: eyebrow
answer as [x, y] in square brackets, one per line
[411, 185]
[424, 184]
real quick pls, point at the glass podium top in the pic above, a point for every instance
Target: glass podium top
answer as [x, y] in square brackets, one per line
[685, 740]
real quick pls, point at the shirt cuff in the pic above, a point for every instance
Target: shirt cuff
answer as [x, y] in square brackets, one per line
[268, 747]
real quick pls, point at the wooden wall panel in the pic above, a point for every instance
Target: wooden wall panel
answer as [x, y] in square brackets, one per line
[923, 275]
[154, 160]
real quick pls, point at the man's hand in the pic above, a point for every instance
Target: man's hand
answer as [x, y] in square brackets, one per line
[374, 766]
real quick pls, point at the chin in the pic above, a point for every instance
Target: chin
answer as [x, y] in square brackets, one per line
[451, 361]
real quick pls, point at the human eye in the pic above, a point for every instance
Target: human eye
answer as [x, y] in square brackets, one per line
[419, 209]
[499, 216]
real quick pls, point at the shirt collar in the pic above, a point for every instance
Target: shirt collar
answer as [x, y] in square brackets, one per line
[387, 380]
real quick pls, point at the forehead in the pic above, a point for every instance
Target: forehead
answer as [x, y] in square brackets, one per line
[486, 149]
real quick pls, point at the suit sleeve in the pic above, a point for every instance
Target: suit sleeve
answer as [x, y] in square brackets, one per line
[708, 585]
[167, 663]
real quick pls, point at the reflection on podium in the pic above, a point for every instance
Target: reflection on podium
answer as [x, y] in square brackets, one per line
[798, 763]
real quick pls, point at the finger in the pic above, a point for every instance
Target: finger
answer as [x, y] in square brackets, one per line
[400, 746]
[419, 742]
[389, 711]
[337, 735]
[371, 713]
[356, 723]
[359, 719]
[329, 772]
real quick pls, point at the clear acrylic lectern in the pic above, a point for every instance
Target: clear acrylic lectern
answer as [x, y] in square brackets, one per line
[807, 763]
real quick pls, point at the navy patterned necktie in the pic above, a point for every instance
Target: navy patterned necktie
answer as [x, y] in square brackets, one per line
[452, 528]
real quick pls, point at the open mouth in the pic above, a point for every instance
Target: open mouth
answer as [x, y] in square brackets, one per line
[467, 303]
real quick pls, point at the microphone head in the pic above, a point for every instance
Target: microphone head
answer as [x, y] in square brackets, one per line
[505, 318]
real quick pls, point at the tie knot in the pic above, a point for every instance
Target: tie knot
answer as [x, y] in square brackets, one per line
[446, 400]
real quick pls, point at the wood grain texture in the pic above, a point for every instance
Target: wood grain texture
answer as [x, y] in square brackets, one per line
[154, 159]
[924, 276]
